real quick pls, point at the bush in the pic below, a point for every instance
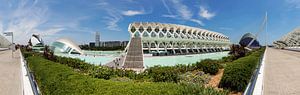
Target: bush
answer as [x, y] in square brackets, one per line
[209, 66]
[197, 78]
[197, 89]
[163, 74]
[74, 63]
[227, 59]
[58, 79]
[237, 74]
[94, 71]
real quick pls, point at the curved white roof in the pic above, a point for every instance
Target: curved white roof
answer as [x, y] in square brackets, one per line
[35, 39]
[70, 44]
[190, 30]
[4, 43]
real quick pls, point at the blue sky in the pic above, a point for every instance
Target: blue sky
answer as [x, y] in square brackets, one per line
[79, 19]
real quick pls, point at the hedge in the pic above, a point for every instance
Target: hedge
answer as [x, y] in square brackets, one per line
[238, 73]
[57, 79]
[209, 66]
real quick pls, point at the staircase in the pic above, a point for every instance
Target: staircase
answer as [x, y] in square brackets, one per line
[134, 57]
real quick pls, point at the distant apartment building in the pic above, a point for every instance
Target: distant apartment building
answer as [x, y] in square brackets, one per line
[92, 44]
[99, 43]
[109, 44]
[97, 39]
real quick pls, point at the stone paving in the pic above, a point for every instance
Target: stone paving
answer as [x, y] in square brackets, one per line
[282, 72]
[10, 73]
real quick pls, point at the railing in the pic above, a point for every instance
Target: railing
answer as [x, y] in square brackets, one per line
[33, 84]
[251, 86]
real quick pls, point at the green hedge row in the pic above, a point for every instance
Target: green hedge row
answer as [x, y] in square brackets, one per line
[209, 66]
[57, 79]
[238, 73]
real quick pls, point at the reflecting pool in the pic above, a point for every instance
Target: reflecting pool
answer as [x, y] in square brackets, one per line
[181, 59]
[103, 57]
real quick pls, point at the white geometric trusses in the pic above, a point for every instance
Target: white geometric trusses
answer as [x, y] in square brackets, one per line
[292, 39]
[166, 36]
[169, 31]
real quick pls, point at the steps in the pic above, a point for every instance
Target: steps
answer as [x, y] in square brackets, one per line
[134, 57]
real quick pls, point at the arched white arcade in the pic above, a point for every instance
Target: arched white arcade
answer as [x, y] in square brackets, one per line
[168, 39]
[291, 40]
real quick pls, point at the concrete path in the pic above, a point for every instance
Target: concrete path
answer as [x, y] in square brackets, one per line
[10, 73]
[282, 72]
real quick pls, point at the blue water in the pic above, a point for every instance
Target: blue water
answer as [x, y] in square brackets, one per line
[95, 57]
[181, 59]
[103, 57]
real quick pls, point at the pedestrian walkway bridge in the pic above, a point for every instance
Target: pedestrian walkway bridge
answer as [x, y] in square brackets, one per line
[282, 72]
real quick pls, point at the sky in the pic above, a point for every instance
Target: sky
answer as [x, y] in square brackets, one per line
[80, 19]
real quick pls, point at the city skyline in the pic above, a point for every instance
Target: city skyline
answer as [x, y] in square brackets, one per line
[80, 20]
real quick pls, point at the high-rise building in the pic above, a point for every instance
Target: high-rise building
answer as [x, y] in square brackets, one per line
[97, 39]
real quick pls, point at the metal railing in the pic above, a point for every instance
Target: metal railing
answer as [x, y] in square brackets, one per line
[251, 85]
[30, 75]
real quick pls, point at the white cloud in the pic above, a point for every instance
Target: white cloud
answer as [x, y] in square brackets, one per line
[169, 16]
[113, 19]
[112, 24]
[225, 28]
[198, 22]
[115, 14]
[167, 7]
[205, 13]
[29, 17]
[50, 31]
[293, 3]
[132, 12]
[182, 12]
[102, 3]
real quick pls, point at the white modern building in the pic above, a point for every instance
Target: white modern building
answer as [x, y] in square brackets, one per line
[290, 40]
[157, 39]
[177, 39]
[36, 43]
[36, 40]
[65, 46]
[4, 43]
[97, 39]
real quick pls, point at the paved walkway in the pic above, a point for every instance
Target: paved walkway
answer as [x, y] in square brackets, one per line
[282, 72]
[10, 73]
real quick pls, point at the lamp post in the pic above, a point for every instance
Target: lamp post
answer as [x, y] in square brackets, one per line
[12, 40]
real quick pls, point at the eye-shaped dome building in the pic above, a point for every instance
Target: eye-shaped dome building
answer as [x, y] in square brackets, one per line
[246, 39]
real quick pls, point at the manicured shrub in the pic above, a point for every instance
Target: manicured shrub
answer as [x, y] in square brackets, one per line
[163, 74]
[198, 77]
[198, 89]
[209, 66]
[238, 73]
[59, 79]
[227, 59]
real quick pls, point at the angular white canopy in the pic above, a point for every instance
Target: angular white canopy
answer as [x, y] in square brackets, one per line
[4, 43]
[66, 45]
